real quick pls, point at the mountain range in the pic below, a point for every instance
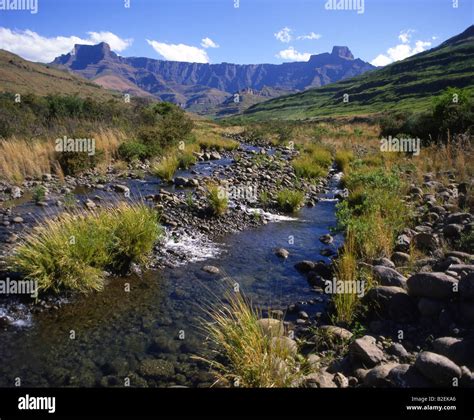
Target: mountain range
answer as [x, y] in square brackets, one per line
[409, 84]
[207, 88]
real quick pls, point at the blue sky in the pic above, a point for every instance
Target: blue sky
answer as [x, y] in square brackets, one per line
[257, 31]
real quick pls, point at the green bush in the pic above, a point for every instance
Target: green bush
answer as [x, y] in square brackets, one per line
[73, 163]
[132, 150]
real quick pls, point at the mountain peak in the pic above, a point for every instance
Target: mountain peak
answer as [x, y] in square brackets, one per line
[100, 50]
[343, 52]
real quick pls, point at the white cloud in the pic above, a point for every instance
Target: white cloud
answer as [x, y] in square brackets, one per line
[180, 52]
[34, 47]
[311, 35]
[116, 43]
[291, 54]
[405, 35]
[208, 43]
[401, 51]
[284, 35]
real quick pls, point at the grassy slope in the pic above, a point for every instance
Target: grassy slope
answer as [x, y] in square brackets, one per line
[409, 84]
[21, 76]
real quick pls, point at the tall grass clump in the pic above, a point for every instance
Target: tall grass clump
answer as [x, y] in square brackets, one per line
[374, 211]
[346, 305]
[290, 201]
[305, 168]
[166, 168]
[217, 200]
[248, 356]
[313, 162]
[343, 159]
[72, 251]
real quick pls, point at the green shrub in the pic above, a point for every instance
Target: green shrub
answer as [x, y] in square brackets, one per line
[290, 201]
[39, 194]
[73, 163]
[132, 150]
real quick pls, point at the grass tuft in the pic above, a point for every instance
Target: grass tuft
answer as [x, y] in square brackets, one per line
[290, 201]
[72, 251]
[166, 168]
[252, 358]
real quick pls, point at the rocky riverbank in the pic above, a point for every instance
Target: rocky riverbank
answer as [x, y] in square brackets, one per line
[418, 330]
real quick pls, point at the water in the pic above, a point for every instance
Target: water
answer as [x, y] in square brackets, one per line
[102, 338]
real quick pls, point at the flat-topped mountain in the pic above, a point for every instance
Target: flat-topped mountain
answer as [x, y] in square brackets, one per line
[206, 84]
[409, 84]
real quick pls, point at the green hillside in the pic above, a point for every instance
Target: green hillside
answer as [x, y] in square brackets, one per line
[409, 84]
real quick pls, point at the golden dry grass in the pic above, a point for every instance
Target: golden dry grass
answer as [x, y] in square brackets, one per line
[21, 158]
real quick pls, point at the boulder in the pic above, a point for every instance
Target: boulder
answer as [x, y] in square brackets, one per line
[338, 332]
[466, 286]
[377, 377]
[271, 327]
[425, 241]
[210, 269]
[452, 231]
[385, 262]
[282, 253]
[392, 302]
[432, 285]
[123, 189]
[429, 307]
[320, 379]
[438, 369]
[326, 238]
[397, 349]
[458, 218]
[304, 266]
[365, 350]
[462, 269]
[389, 277]
[285, 344]
[406, 376]
[400, 258]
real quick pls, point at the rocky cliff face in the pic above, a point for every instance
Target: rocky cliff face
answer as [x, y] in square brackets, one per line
[182, 82]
